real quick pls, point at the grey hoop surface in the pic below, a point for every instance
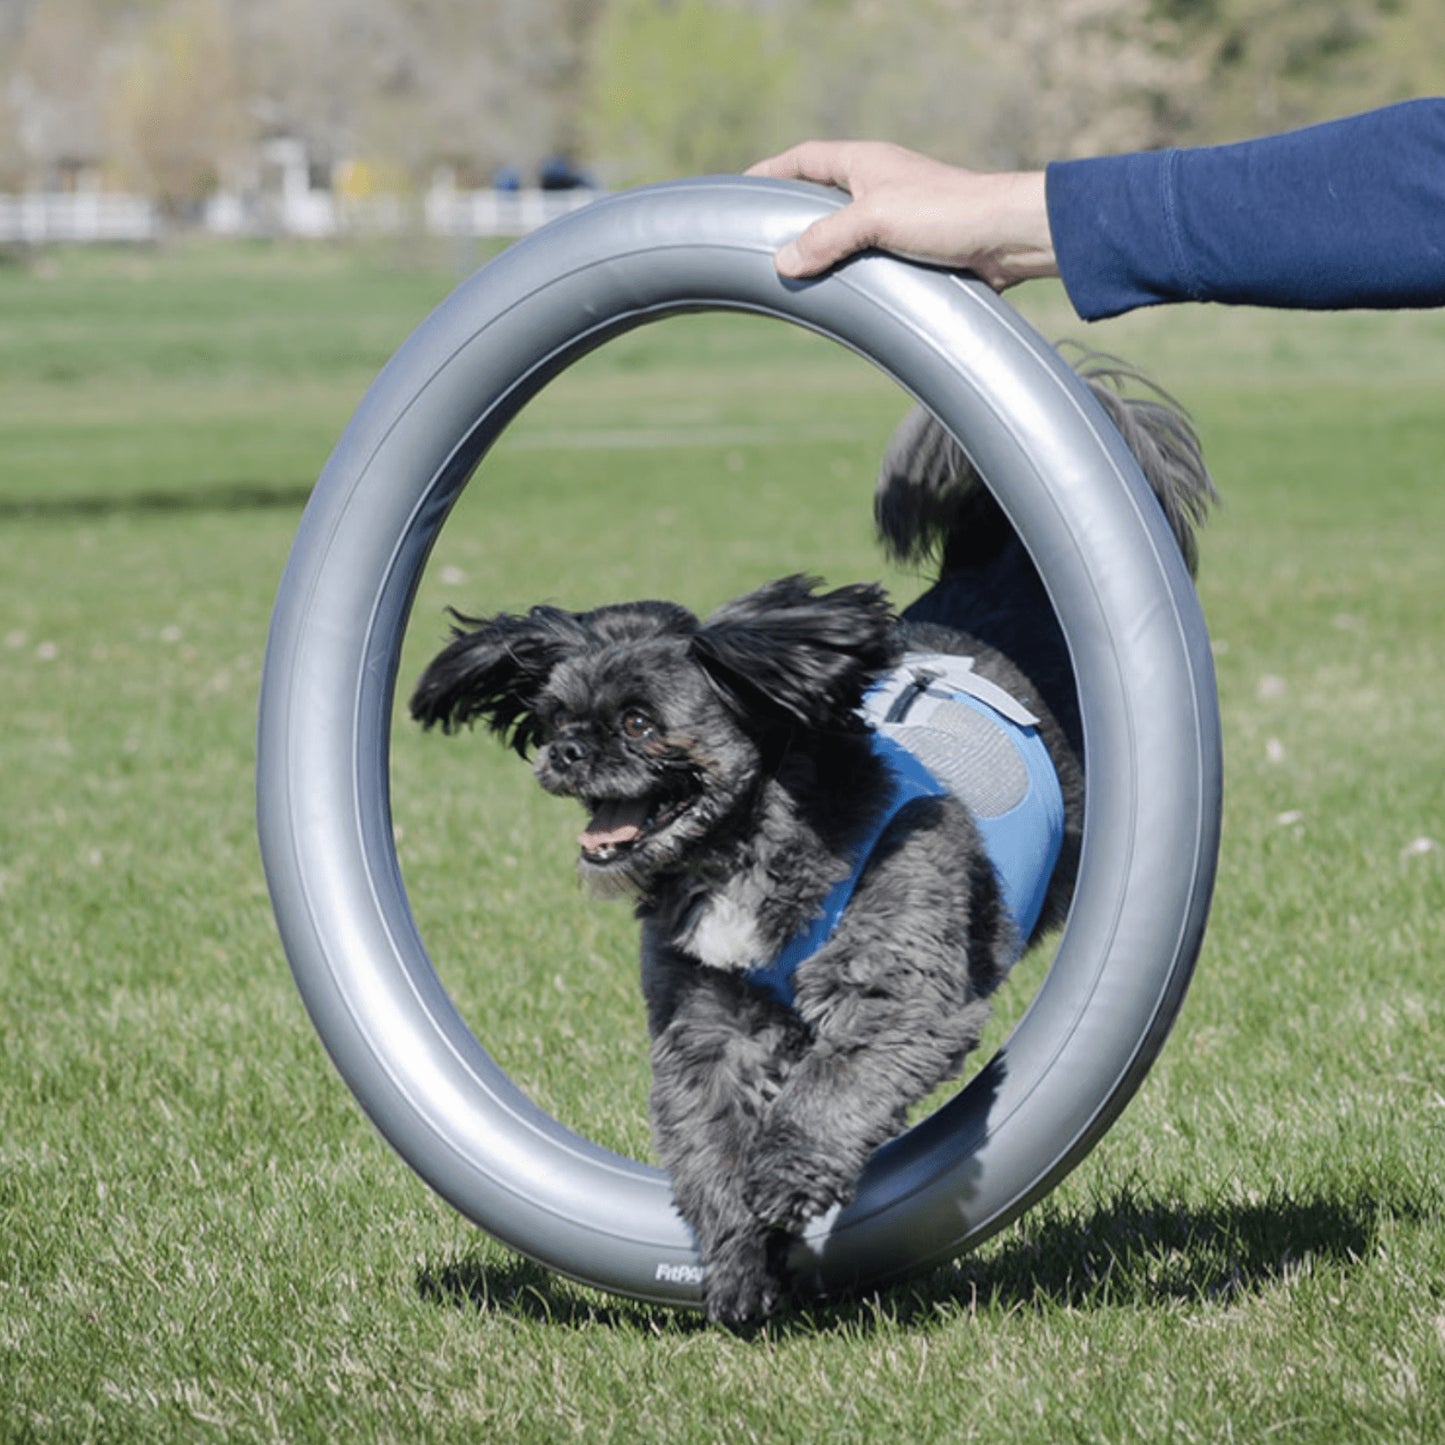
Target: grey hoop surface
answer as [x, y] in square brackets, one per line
[1128, 611]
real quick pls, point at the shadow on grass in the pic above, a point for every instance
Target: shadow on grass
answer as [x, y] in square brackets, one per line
[1127, 1253]
[1132, 1251]
[523, 1290]
[230, 497]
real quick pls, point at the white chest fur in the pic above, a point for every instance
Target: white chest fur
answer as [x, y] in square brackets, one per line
[723, 931]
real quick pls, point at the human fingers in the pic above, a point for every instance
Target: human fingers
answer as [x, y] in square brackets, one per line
[825, 162]
[845, 165]
[830, 239]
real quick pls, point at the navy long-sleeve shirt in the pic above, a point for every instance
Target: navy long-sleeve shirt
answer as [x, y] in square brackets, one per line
[1350, 213]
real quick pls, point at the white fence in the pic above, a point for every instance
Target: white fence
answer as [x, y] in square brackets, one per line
[41, 217]
[442, 211]
[498, 213]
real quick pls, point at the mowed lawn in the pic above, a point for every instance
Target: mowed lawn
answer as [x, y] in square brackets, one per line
[200, 1235]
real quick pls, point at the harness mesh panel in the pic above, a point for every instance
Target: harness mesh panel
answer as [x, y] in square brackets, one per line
[970, 755]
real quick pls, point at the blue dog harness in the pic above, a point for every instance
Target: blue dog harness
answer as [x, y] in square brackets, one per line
[942, 729]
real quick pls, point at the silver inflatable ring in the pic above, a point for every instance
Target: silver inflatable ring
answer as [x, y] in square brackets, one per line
[1127, 608]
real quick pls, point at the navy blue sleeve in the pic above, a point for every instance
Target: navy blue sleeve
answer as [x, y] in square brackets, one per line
[1346, 214]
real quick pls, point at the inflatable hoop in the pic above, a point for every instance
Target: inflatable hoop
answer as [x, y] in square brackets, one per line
[1128, 611]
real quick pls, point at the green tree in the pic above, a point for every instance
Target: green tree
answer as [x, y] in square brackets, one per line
[1408, 52]
[996, 82]
[54, 76]
[687, 88]
[179, 112]
[1281, 63]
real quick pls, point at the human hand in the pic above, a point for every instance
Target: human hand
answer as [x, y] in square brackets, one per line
[994, 224]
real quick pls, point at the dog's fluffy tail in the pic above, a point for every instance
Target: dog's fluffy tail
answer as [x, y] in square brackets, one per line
[930, 504]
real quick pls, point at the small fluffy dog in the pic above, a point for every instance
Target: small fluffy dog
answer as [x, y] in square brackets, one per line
[822, 921]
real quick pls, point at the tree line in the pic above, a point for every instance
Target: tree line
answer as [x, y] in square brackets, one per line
[172, 97]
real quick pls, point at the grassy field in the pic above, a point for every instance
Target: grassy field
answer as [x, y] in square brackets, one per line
[202, 1238]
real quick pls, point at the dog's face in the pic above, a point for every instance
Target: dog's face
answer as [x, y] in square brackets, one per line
[661, 725]
[640, 736]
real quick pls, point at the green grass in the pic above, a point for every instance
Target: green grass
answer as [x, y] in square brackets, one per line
[201, 1237]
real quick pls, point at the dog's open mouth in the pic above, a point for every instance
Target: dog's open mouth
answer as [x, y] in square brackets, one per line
[618, 825]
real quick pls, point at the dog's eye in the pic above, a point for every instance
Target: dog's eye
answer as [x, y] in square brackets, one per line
[559, 719]
[637, 725]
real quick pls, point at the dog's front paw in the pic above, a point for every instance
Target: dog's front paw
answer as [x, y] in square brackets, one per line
[794, 1180]
[744, 1283]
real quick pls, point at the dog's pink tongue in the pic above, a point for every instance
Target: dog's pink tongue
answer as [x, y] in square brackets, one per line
[616, 821]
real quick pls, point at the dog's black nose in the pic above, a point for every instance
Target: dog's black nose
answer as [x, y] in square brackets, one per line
[566, 752]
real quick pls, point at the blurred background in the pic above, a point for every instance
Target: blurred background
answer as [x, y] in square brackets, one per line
[321, 117]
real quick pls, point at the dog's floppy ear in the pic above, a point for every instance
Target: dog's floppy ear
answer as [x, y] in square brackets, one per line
[495, 668]
[794, 654]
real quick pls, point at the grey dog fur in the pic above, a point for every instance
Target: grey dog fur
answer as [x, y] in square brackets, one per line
[730, 752]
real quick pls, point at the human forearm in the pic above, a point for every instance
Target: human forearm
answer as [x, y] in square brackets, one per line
[1346, 214]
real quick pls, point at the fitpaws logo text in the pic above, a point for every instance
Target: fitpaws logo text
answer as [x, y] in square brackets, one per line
[679, 1273]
